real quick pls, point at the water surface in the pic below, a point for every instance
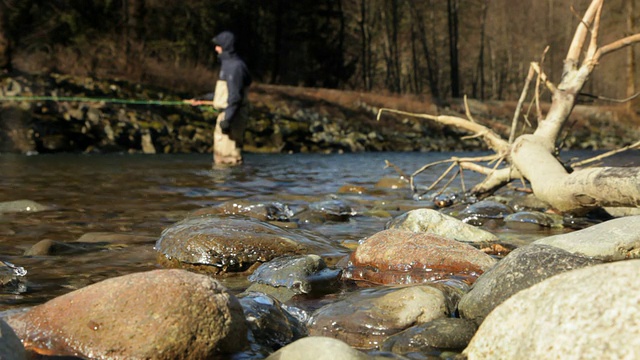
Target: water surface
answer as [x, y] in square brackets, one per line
[143, 194]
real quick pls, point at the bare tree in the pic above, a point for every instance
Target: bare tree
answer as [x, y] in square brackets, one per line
[532, 157]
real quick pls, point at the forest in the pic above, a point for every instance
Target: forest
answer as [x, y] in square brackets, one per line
[441, 48]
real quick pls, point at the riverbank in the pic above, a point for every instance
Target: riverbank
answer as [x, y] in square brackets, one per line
[284, 119]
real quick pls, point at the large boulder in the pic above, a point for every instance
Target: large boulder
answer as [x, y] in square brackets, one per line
[228, 244]
[160, 314]
[616, 239]
[522, 268]
[589, 313]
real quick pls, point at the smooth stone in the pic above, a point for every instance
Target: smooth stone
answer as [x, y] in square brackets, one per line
[444, 333]
[435, 222]
[589, 313]
[115, 238]
[521, 269]
[612, 240]
[364, 319]
[160, 314]
[22, 206]
[319, 348]
[274, 211]
[479, 213]
[406, 257]
[300, 273]
[272, 326]
[218, 245]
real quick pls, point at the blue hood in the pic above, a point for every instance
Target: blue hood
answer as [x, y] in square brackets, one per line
[226, 40]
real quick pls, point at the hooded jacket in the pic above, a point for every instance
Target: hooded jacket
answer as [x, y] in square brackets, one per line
[234, 71]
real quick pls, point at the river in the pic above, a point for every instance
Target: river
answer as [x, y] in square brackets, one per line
[144, 194]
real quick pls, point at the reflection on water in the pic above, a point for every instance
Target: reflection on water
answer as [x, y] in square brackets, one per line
[143, 194]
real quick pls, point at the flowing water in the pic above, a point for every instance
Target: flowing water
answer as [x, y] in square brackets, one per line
[143, 194]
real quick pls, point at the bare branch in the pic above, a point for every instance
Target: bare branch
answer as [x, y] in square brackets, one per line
[467, 111]
[616, 45]
[493, 140]
[523, 96]
[606, 155]
[611, 99]
[402, 174]
[595, 33]
[573, 55]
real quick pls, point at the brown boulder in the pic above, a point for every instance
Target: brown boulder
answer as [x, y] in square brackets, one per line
[405, 257]
[160, 314]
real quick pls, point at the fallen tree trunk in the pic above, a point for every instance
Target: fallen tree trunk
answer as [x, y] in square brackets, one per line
[532, 156]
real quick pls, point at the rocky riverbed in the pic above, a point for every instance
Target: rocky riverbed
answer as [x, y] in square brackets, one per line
[283, 119]
[435, 283]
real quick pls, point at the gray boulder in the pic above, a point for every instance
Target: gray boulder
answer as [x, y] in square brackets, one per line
[589, 313]
[616, 239]
[521, 269]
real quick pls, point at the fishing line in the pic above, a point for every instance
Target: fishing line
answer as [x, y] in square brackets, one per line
[87, 99]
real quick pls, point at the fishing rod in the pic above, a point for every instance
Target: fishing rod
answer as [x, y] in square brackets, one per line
[88, 99]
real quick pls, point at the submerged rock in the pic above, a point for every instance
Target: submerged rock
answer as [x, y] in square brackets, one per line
[437, 223]
[616, 239]
[532, 220]
[405, 257]
[272, 326]
[482, 211]
[273, 211]
[298, 273]
[589, 313]
[219, 245]
[365, 319]
[439, 334]
[12, 277]
[22, 206]
[160, 314]
[521, 269]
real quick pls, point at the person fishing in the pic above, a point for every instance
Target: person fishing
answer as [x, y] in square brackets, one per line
[230, 98]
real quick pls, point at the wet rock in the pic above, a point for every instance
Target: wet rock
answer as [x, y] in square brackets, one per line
[532, 220]
[364, 319]
[333, 210]
[405, 257]
[12, 277]
[352, 189]
[22, 206]
[114, 238]
[521, 269]
[273, 211]
[616, 239]
[301, 274]
[161, 314]
[589, 313]
[10, 346]
[321, 348]
[271, 325]
[528, 202]
[434, 222]
[219, 245]
[439, 334]
[392, 183]
[479, 213]
[49, 247]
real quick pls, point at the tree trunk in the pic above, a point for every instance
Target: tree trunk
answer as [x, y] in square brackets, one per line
[452, 12]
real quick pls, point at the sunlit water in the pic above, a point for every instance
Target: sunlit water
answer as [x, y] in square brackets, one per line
[144, 194]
